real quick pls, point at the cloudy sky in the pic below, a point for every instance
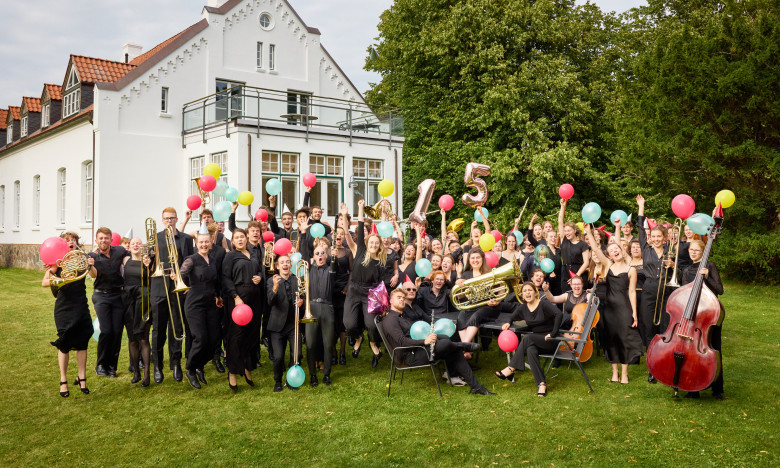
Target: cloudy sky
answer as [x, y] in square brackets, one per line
[40, 35]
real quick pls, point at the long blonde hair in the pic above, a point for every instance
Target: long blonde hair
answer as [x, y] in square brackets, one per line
[382, 254]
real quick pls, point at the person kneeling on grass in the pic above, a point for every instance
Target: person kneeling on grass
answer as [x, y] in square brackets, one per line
[397, 326]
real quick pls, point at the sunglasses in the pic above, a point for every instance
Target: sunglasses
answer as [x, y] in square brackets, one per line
[319, 253]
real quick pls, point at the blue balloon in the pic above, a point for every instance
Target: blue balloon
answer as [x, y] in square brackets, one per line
[420, 330]
[547, 265]
[231, 194]
[295, 376]
[423, 267]
[222, 211]
[317, 230]
[621, 215]
[273, 186]
[219, 190]
[385, 229]
[519, 237]
[591, 212]
[444, 326]
[478, 216]
[96, 329]
[294, 258]
[700, 223]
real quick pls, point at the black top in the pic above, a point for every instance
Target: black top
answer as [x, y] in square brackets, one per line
[650, 260]
[396, 330]
[684, 260]
[571, 255]
[712, 280]
[572, 301]
[408, 271]
[109, 269]
[202, 277]
[430, 302]
[414, 312]
[545, 319]
[184, 248]
[135, 274]
[368, 276]
[389, 270]
[640, 276]
[238, 270]
[343, 269]
[320, 282]
[282, 302]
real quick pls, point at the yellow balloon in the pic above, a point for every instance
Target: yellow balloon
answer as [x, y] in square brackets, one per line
[245, 198]
[725, 198]
[581, 225]
[385, 188]
[213, 170]
[486, 242]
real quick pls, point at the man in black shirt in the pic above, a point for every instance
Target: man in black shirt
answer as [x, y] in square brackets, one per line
[107, 300]
[322, 333]
[283, 298]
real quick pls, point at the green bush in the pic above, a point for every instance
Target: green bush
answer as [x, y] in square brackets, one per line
[753, 257]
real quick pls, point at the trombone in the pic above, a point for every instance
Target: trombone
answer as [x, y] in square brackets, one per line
[673, 251]
[302, 273]
[173, 259]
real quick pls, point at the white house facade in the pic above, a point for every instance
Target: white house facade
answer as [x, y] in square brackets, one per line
[249, 87]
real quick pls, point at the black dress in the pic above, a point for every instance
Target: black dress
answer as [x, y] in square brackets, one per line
[571, 259]
[619, 340]
[136, 299]
[237, 273]
[71, 316]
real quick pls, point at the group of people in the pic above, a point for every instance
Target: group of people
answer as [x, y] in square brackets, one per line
[190, 304]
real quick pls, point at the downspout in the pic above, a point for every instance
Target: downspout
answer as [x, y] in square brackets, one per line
[93, 177]
[249, 172]
[399, 207]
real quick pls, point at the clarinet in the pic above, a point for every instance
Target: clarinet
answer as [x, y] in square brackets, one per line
[433, 343]
[334, 251]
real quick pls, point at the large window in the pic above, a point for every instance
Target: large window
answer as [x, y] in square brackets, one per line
[24, 125]
[71, 103]
[283, 166]
[196, 171]
[36, 200]
[229, 99]
[45, 115]
[61, 183]
[327, 192]
[220, 159]
[368, 173]
[86, 208]
[17, 204]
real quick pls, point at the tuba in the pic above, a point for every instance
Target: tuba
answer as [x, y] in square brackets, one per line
[493, 286]
[383, 206]
[302, 272]
[73, 266]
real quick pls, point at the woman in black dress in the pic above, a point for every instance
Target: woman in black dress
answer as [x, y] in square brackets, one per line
[575, 254]
[138, 304]
[370, 257]
[544, 320]
[71, 316]
[199, 272]
[341, 263]
[241, 275]
[411, 254]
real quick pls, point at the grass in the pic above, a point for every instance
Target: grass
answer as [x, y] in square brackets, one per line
[353, 423]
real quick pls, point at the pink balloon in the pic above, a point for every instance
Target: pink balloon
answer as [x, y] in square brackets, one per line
[268, 236]
[683, 206]
[309, 180]
[491, 258]
[446, 202]
[53, 249]
[496, 234]
[194, 202]
[242, 314]
[282, 246]
[116, 239]
[507, 341]
[207, 183]
[566, 191]
[261, 215]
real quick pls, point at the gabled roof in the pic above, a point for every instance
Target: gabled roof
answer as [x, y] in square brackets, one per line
[84, 113]
[55, 91]
[3, 118]
[142, 58]
[227, 6]
[16, 112]
[94, 70]
[32, 104]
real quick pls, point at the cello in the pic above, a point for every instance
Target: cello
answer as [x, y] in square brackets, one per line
[682, 357]
[578, 315]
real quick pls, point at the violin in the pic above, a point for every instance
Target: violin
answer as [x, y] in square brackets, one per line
[578, 315]
[681, 357]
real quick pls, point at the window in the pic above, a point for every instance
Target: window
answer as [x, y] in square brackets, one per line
[327, 192]
[164, 101]
[282, 166]
[259, 55]
[298, 103]
[71, 103]
[266, 22]
[221, 159]
[86, 196]
[45, 119]
[73, 79]
[10, 135]
[17, 203]
[37, 200]
[368, 173]
[61, 179]
[229, 99]
[24, 126]
[272, 57]
[2, 206]
[325, 165]
[196, 171]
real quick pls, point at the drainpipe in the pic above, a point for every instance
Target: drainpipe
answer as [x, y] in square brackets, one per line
[400, 208]
[249, 172]
[93, 179]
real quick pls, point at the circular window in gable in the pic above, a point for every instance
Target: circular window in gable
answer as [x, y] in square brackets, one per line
[266, 21]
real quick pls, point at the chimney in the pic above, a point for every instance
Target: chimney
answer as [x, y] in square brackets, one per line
[131, 51]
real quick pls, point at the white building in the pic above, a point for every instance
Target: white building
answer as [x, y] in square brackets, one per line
[249, 87]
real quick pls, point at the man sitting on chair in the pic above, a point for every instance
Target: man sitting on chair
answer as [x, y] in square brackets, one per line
[396, 327]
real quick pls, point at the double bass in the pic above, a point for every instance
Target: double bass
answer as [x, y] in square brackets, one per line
[682, 357]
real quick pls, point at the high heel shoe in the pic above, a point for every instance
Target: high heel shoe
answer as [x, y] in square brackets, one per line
[501, 375]
[83, 389]
[249, 381]
[66, 393]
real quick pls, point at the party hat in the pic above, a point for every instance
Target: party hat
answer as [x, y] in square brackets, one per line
[203, 228]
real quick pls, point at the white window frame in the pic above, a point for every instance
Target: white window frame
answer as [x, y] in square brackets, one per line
[62, 180]
[164, 93]
[220, 159]
[36, 201]
[285, 166]
[71, 103]
[73, 79]
[9, 137]
[196, 171]
[259, 54]
[45, 115]
[24, 125]
[17, 204]
[87, 177]
[272, 56]
[361, 171]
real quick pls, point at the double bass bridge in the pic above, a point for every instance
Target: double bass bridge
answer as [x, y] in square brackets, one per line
[685, 337]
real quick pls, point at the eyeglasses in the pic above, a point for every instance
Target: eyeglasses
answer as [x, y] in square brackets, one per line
[170, 218]
[319, 253]
[410, 289]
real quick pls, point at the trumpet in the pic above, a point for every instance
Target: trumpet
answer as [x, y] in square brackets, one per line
[674, 251]
[268, 259]
[74, 267]
[493, 286]
[381, 207]
[302, 273]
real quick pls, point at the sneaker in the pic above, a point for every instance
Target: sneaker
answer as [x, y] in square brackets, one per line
[444, 375]
[458, 382]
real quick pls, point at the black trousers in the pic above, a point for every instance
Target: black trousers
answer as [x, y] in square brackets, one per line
[162, 328]
[320, 335]
[110, 310]
[203, 335]
[356, 317]
[338, 309]
[646, 313]
[452, 354]
[530, 346]
[279, 342]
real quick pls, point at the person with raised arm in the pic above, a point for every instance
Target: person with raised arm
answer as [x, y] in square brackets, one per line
[575, 254]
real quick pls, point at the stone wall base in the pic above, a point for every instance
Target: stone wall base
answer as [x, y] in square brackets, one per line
[24, 256]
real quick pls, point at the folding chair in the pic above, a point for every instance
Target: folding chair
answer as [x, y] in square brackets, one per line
[394, 360]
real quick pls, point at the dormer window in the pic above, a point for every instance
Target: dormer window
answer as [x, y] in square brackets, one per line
[71, 102]
[24, 126]
[10, 135]
[45, 112]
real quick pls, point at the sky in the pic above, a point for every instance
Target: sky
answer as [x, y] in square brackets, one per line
[41, 34]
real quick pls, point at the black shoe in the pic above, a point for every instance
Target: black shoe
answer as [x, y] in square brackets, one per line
[101, 371]
[717, 396]
[266, 342]
[343, 360]
[66, 393]
[375, 360]
[201, 376]
[233, 387]
[193, 379]
[291, 387]
[177, 375]
[278, 387]
[158, 375]
[249, 381]
[145, 382]
[270, 354]
[130, 368]
[472, 347]
[326, 380]
[481, 391]
[218, 365]
[651, 379]
[136, 377]
[501, 375]
[556, 363]
[314, 382]
[333, 360]
[355, 353]
[111, 373]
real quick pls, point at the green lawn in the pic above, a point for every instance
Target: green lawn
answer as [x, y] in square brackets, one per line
[353, 423]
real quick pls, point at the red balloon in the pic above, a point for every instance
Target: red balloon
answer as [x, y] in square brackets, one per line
[496, 234]
[116, 239]
[566, 191]
[53, 249]
[282, 246]
[242, 314]
[507, 341]
[309, 180]
[683, 206]
[261, 215]
[268, 236]
[446, 202]
[207, 183]
[491, 258]
[194, 202]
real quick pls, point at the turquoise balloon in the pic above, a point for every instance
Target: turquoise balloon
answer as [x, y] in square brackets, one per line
[420, 330]
[621, 215]
[547, 265]
[220, 189]
[273, 186]
[478, 215]
[444, 326]
[96, 329]
[385, 229]
[519, 236]
[423, 267]
[317, 230]
[295, 376]
[591, 212]
[294, 258]
[222, 211]
[700, 223]
[231, 194]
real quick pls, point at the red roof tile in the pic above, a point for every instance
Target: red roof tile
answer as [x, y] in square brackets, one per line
[3, 118]
[142, 58]
[49, 128]
[55, 91]
[16, 112]
[32, 104]
[93, 70]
